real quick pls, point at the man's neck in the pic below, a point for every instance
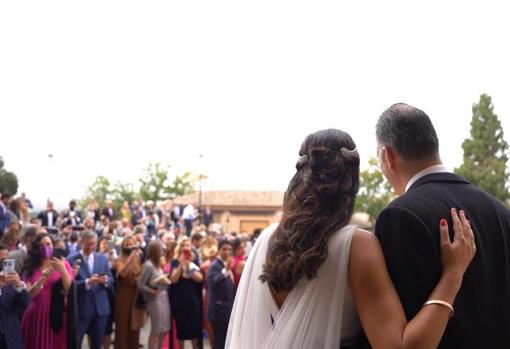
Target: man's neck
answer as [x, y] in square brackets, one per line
[409, 169]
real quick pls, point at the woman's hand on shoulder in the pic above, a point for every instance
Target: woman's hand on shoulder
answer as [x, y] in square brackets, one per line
[457, 255]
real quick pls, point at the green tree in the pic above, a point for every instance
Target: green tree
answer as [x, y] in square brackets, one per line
[374, 193]
[156, 185]
[8, 180]
[486, 152]
[123, 192]
[101, 190]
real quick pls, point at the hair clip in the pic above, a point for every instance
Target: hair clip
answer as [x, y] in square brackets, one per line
[349, 154]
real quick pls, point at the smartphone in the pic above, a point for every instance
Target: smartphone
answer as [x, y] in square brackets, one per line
[110, 245]
[8, 266]
[52, 231]
[58, 253]
[102, 273]
[187, 254]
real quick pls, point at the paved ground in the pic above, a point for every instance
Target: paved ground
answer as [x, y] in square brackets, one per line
[143, 339]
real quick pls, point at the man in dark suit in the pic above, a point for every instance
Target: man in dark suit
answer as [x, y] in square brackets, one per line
[220, 285]
[72, 215]
[4, 213]
[92, 281]
[108, 211]
[49, 216]
[14, 299]
[408, 151]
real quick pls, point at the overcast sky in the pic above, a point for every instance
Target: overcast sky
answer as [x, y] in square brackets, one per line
[108, 86]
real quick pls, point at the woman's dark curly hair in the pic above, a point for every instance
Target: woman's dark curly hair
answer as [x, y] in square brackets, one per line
[34, 258]
[318, 202]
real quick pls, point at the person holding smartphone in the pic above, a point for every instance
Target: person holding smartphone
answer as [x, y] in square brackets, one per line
[93, 283]
[186, 294]
[106, 248]
[127, 319]
[14, 299]
[43, 326]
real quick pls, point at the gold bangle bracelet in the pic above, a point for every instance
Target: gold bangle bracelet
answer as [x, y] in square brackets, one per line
[440, 302]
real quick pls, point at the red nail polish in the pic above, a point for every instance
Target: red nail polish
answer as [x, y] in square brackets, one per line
[442, 222]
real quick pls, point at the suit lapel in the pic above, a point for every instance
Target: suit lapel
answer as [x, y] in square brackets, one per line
[84, 265]
[94, 267]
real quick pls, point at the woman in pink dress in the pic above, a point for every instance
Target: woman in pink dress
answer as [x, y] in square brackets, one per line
[41, 326]
[238, 260]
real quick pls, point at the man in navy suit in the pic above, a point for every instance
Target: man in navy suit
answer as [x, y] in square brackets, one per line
[4, 213]
[14, 299]
[92, 281]
[220, 283]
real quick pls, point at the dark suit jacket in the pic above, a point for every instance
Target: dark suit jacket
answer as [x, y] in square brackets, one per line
[408, 230]
[43, 216]
[4, 220]
[221, 293]
[12, 304]
[106, 212]
[94, 301]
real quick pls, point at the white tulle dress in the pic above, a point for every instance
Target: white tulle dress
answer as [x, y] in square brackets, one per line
[317, 313]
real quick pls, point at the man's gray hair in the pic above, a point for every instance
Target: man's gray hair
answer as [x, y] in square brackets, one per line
[88, 234]
[409, 132]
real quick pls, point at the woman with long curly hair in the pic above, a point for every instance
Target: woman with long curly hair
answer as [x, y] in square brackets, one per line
[48, 277]
[308, 276]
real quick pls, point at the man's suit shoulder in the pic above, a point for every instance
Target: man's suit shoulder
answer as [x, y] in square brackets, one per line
[216, 266]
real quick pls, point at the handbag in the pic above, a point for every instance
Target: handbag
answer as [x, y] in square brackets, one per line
[140, 302]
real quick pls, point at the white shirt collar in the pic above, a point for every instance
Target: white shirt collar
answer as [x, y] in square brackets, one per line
[87, 257]
[429, 170]
[221, 260]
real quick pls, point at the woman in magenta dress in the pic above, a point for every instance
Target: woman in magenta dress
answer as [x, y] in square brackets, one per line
[238, 260]
[46, 273]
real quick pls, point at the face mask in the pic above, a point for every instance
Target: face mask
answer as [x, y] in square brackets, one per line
[46, 251]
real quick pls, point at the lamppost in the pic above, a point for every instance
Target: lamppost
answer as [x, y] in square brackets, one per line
[50, 179]
[200, 176]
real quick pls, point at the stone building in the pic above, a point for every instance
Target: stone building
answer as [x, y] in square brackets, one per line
[239, 210]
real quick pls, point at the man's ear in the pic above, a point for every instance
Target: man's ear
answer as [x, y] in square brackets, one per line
[390, 156]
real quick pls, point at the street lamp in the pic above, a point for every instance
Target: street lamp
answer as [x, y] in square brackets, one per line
[200, 184]
[50, 158]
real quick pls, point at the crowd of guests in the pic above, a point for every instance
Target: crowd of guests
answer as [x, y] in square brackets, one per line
[99, 275]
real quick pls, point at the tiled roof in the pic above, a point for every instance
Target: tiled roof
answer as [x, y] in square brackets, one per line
[235, 198]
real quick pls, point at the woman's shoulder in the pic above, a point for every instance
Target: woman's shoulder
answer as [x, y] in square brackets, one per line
[363, 238]
[148, 264]
[365, 249]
